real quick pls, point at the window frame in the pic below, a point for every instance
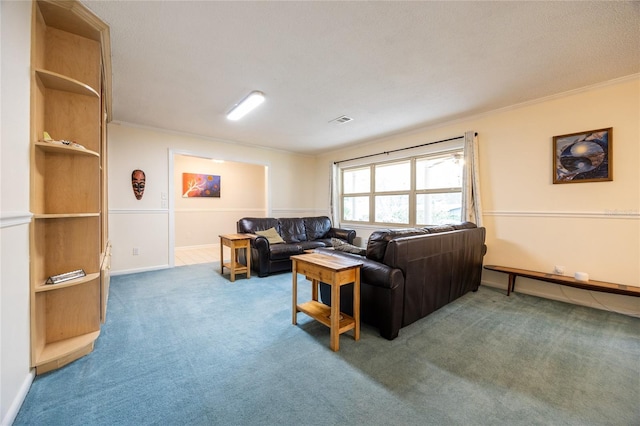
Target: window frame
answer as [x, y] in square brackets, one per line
[412, 192]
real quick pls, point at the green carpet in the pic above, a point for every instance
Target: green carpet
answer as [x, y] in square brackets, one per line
[186, 346]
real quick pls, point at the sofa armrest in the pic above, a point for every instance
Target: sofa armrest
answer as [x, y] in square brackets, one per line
[260, 254]
[344, 234]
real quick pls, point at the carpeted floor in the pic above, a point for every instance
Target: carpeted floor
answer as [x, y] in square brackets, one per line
[186, 346]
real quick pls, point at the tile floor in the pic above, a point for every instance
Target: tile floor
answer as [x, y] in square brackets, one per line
[199, 254]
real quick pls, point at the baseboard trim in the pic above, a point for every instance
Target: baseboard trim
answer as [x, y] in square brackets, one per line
[13, 410]
[137, 270]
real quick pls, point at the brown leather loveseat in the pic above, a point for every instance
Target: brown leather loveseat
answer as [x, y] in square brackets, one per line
[296, 235]
[409, 273]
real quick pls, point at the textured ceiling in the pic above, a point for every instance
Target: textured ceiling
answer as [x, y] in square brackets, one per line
[391, 66]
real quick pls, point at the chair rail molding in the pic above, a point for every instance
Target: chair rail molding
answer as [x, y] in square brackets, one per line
[632, 214]
[8, 219]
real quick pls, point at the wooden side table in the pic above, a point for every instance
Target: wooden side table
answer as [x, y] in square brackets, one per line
[335, 271]
[235, 242]
[563, 280]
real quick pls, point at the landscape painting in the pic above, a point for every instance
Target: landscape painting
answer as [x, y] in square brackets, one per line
[583, 157]
[200, 185]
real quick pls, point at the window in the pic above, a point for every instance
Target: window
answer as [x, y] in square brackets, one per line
[425, 190]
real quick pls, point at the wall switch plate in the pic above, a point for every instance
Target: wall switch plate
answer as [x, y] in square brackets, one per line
[136, 251]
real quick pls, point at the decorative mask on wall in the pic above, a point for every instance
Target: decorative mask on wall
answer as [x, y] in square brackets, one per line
[138, 179]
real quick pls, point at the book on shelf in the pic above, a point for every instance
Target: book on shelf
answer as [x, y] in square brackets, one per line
[60, 278]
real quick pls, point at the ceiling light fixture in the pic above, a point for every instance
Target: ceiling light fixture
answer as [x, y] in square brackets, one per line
[243, 107]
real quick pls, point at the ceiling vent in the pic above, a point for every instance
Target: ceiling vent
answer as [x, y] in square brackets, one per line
[342, 119]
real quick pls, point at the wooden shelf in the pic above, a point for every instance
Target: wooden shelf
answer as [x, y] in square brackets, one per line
[563, 280]
[77, 281]
[63, 149]
[64, 215]
[55, 81]
[62, 352]
[321, 313]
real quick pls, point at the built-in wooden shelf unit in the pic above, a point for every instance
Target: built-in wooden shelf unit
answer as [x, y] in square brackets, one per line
[70, 66]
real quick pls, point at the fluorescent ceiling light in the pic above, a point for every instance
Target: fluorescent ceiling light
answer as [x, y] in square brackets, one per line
[251, 101]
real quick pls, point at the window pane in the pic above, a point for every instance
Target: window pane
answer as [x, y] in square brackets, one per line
[439, 172]
[354, 181]
[392, 208]
[355, 209]
[393, 177]
[438, 209]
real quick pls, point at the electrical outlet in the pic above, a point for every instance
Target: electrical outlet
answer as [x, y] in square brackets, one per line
[558, 270]
[136, 251]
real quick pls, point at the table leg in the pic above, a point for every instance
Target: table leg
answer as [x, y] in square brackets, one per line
[294, 291]
[335, 317]
[233, 262]
[221, 257]
[314, 289]
[356, 305]
[247, 256]
[511, 285]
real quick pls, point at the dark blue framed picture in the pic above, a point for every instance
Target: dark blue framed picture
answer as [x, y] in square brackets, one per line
[583, 157]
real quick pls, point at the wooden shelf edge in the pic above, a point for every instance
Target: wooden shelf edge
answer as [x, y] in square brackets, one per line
[63, 215]
[78, 281]
[321, 312]
[46, 146]
[53, 80]
[63, 349]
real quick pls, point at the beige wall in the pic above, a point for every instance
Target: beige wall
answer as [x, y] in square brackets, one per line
[199, 221]
[148, 224]
[532, 223]
[15, 359]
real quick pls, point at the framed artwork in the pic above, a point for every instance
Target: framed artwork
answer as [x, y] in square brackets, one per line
[199, 185]
[583, 157]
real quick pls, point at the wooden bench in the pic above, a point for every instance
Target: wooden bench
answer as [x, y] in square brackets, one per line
[563, 280]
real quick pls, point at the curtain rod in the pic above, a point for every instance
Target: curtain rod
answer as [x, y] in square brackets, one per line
[400, 149]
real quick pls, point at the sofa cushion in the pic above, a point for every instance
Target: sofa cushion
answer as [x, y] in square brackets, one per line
[310, 245]
[249, 225]
[284, 251]
[463, 225]
[436, 229]
[292, 230]
[377, 244]
[316, 227]
[271, 235]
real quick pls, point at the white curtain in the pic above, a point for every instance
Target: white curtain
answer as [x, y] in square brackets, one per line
[471, 200]
[334, 196]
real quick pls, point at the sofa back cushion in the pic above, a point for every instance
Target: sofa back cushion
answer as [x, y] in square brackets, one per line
[377, 244]
[317, 227]
[436, 229]
[292, 229]
[249, 225]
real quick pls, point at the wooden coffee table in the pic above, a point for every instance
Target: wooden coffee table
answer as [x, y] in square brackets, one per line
[336, 272]
[235, 242]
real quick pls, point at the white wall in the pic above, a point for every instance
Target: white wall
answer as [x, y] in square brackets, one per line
[148, 225]
[200, 221]
[532, 223]
[15, 372]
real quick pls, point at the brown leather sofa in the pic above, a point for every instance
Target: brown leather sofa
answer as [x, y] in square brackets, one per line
[409, 273]
[299, 234]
